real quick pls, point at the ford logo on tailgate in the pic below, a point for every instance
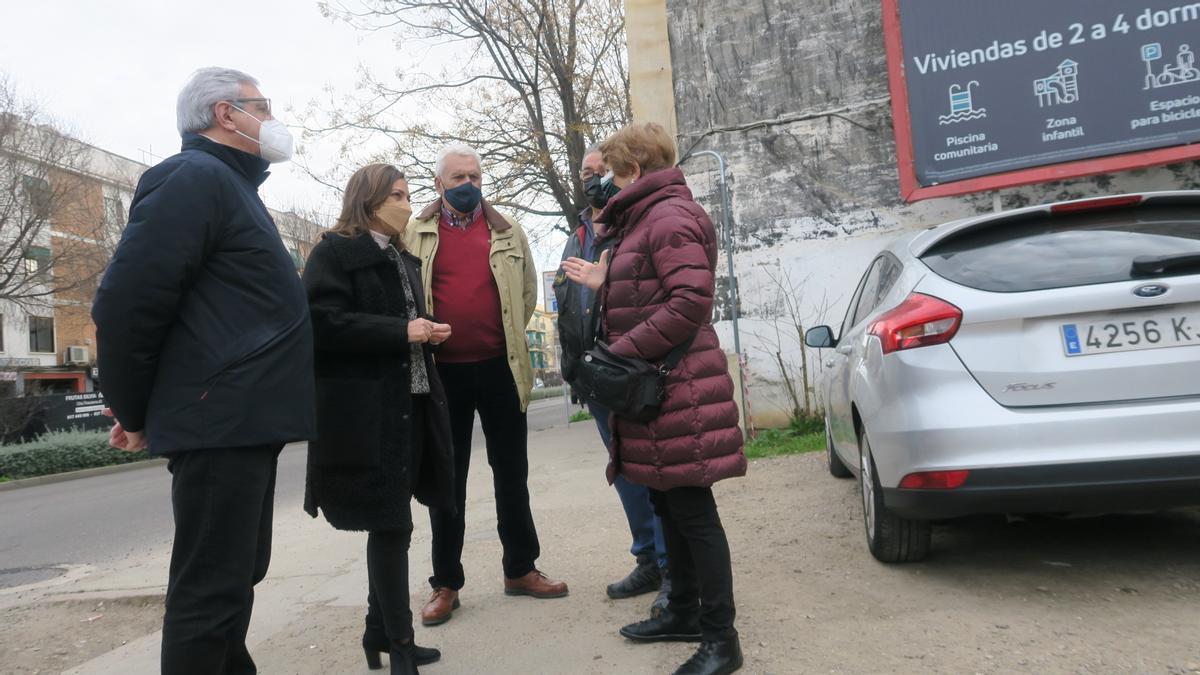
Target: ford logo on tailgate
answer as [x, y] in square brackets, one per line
[1150, 290]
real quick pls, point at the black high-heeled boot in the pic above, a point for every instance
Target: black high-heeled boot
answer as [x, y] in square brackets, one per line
[402, 660]
[375, 643]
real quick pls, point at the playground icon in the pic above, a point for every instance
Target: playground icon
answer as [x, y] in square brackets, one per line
[1182, 71]
[1060, 88]
[962, 105]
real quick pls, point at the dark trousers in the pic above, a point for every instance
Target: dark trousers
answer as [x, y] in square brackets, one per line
[387, 576]
[645, 527]
[698, 557]
[488, 388]
[223, 500]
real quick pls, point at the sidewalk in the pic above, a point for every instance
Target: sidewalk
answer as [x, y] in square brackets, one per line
[308, 612]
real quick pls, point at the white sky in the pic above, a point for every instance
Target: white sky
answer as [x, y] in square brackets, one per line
[110, 71]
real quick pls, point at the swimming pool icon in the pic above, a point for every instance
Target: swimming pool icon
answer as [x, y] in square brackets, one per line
[962, 105]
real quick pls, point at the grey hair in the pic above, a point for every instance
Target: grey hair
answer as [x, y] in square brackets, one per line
[591, 150]
[206, 88]
[454, 150]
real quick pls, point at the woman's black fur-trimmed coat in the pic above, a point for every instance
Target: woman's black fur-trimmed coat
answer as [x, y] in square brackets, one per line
[359, 465]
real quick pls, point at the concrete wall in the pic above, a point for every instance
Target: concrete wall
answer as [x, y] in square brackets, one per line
[794, 94]
[650, 73]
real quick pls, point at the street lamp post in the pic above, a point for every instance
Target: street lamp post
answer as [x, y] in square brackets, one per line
[727, 239]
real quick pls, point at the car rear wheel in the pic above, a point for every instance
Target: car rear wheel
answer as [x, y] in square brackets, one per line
[837, 468]
[889, 537]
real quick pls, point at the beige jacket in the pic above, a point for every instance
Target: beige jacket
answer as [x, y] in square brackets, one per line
[513, 269]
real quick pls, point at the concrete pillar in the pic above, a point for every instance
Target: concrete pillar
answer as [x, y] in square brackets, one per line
[651, 79]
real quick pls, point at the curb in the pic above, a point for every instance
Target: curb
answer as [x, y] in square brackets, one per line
[83, 473]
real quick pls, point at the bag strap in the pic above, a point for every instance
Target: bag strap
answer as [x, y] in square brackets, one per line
[673, 357]
[676, 355]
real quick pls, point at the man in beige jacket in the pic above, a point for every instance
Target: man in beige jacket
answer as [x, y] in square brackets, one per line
[480, 278]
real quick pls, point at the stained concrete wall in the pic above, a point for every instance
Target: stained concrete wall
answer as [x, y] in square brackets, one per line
[794, 94]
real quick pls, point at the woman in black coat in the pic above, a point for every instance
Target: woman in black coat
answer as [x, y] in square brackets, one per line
[383, 430]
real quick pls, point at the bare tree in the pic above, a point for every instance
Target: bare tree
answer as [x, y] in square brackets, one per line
[302, 226]
[51, 223]
[531, 84]
[785, 324]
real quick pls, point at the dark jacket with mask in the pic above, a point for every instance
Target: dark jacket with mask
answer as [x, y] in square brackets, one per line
[577, 305]
[373, 449]
[202, 327]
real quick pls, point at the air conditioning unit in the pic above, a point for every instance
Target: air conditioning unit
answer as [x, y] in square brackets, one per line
[77, 355]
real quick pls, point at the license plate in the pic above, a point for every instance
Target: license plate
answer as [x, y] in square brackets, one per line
[1131, 333]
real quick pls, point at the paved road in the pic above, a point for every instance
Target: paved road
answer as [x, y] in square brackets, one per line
[104, 519]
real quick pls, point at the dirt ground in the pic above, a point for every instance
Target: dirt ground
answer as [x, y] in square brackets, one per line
[1108, 595]
[49, 637]
[1118, 594]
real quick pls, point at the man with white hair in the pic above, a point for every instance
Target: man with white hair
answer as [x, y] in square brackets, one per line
[206, 358]
[480, 278]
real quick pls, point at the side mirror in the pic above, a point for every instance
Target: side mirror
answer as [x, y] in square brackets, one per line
[820, 337]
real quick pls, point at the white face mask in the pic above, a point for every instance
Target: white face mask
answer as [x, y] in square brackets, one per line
[274, 140]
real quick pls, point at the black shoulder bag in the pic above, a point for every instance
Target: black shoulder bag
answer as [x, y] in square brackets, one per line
[629, 387]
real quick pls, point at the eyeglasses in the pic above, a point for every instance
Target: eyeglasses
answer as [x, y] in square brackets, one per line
[263, 104]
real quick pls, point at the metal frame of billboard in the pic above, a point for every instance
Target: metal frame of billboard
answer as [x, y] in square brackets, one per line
[912, 191]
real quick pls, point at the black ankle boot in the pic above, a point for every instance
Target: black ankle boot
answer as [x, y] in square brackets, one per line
[375, 642]
[402, 660]
[719, 657]
[668, 626]
[645, 578]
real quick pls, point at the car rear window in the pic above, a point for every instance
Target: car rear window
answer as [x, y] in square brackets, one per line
[1057, 251]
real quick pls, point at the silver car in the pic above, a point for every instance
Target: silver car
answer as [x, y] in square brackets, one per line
[1043, 360]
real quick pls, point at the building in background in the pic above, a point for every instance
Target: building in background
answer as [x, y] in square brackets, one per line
[542, 336]
[61, 221]
[300, 233]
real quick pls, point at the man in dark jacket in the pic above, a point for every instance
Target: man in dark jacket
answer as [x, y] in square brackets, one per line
[577, 305]
[205, 355]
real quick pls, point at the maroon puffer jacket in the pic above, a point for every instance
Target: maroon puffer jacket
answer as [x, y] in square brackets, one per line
[659, 292]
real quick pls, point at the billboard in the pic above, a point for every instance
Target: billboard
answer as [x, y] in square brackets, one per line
[31, 416]
[987, 95]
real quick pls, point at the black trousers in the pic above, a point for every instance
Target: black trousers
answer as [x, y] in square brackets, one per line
[387, 576]
[486, 387]
[388, 601]
[223, 499]
[698, 557]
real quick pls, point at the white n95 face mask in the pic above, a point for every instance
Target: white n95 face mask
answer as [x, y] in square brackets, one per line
[274, 140]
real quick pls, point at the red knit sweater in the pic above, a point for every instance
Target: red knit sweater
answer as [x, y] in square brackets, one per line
[465, 294]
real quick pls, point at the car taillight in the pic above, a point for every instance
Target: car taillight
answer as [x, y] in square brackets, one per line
[934, 480]
[1098, 204]
[921, 320]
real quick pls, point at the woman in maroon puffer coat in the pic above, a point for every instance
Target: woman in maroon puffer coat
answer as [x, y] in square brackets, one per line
[657, 292]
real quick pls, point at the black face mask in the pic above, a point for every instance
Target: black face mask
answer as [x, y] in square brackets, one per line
[599, 191]
[464, 198]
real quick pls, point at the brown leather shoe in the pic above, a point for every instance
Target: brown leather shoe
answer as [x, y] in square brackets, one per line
[537, 585]
[440, 607]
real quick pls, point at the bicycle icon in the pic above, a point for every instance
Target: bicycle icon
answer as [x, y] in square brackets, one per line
[1182, 71]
